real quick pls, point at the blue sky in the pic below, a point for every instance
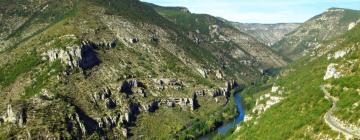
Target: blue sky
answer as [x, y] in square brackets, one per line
[260, 11]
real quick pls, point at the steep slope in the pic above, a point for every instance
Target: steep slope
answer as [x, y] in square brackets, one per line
[267, 33]
[91, 69]
[316, 97]
[212, 33]
[330, 24]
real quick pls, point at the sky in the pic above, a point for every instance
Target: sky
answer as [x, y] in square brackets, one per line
[260, 11]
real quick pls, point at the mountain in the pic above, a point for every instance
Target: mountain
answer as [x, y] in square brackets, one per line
[315, 97]
[212, 32]
[267, 33]
[330, 24]
[116, 69]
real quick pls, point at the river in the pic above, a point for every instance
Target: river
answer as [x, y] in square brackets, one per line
[223, 129]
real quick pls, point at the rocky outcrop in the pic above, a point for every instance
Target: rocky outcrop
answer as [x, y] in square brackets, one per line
[151, 107]
[69, 56]
[104, 96]
[269, 100]
[214, 31]
[266, 33]
[134, 40]
[110, 121]
[353, 24]
[331, 72]
[195, 37]
[183, 102]
[163, 83]
[14, 117]
[77, 125]
[132, 86]
[83, 56]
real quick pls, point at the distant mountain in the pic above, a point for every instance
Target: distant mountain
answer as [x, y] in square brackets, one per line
[212, 32]
[330, 24]
[267, 33]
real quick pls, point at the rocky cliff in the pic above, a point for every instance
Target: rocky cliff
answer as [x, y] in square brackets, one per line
[332, 23]
[268, 34]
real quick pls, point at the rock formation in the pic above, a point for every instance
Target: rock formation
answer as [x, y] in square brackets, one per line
[331, 72]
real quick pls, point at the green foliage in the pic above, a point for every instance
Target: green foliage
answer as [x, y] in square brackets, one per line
[10, 72]
[42, 79]
[56, 12]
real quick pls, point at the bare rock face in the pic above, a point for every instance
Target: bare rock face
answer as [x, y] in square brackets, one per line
[183, 102]
[353, 24]
[331, 72]
[83, 56]
[214, 31]
[14, 117]
[70, 56]
[151, 107]
[110, 121]
[266, 33]
[129, 86]
[163, 83]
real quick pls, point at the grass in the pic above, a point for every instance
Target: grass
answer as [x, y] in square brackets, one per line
[42, 79]
[10, 72]
[55, 13]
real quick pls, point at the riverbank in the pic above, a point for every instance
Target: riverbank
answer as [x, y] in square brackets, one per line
[228, 125]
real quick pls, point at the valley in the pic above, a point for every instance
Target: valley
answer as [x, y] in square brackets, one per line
[127, 69]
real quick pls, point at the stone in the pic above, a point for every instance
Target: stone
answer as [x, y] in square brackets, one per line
[331, 72]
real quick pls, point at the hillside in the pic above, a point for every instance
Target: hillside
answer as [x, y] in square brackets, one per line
[111, 69]
[267, 33]
[316, 97]
[330, 24]
[211, 33]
